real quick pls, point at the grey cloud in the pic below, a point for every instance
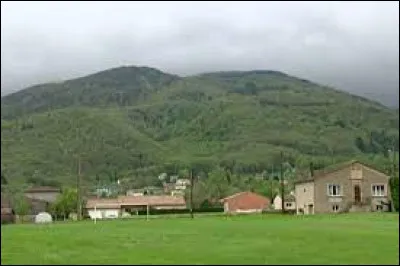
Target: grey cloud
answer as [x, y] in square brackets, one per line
[350, 45]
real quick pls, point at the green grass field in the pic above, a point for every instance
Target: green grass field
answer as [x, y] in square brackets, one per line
[256, 239]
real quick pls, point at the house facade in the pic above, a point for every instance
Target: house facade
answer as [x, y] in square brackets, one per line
[348, 187]
[245, 202]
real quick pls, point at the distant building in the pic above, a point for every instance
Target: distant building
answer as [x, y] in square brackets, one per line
[245, 202]
[40, 198]
[182, 184]
[177, 193]
[135, 192]
[168, 187]
[173, 178]
[153, 201]
[47, 194]
[104, 191]
[7, 212]
[149, 190]
[7, 215]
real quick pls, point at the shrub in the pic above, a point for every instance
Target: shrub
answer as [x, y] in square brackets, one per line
[394, 187]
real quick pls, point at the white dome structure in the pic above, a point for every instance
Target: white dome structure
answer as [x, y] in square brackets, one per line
[126, 215]
[43, 217]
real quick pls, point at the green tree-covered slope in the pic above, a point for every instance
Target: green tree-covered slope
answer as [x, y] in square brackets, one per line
[139, 121]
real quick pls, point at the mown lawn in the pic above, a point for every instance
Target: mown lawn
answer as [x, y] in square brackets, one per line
[256, 239]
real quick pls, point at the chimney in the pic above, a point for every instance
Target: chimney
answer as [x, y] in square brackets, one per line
[312, 170]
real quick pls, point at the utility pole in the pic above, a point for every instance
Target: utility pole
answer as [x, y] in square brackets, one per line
[271, 179]
[191, 193]
[393, 173]
[282, 185]
[147, 211]
[394, 162]
[78, 190]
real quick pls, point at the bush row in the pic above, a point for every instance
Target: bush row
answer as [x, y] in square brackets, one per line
[180, 211]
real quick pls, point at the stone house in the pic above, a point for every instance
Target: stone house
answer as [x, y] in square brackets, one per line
[348, 187]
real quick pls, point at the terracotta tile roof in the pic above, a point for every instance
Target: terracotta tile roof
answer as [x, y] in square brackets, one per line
[152, 200]
[234, 195]
[241, 193]
[102, 203]
[136, 201]
[245, 201]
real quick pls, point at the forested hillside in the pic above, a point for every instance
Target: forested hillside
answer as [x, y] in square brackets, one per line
[136, 122]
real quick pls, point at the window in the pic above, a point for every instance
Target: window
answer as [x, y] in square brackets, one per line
[304, 190]
[378, 190]
[335, 208]
[288, 204]
[334, 190]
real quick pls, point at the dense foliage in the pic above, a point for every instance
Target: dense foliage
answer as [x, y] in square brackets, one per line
[394, 186]
[65, 204]
[133, 123]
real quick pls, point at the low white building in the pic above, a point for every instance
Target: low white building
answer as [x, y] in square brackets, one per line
[103, 208]
[114, 207]
[43, 217]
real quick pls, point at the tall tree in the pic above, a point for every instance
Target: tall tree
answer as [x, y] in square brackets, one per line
[66, 203]
[21, 206]
[3, 179]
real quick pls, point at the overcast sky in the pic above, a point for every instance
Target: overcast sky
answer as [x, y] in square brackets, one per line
[353, 46]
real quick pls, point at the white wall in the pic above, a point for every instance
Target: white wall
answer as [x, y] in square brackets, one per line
[291, 205]
[304, 193]
[278, 203]
[249, 211]
[103, 213]
[226, 207]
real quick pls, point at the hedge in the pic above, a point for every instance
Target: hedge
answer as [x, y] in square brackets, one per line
[180, 211]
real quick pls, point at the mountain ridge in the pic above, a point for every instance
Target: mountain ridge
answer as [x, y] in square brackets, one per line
[140, 121]
[373, 97]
